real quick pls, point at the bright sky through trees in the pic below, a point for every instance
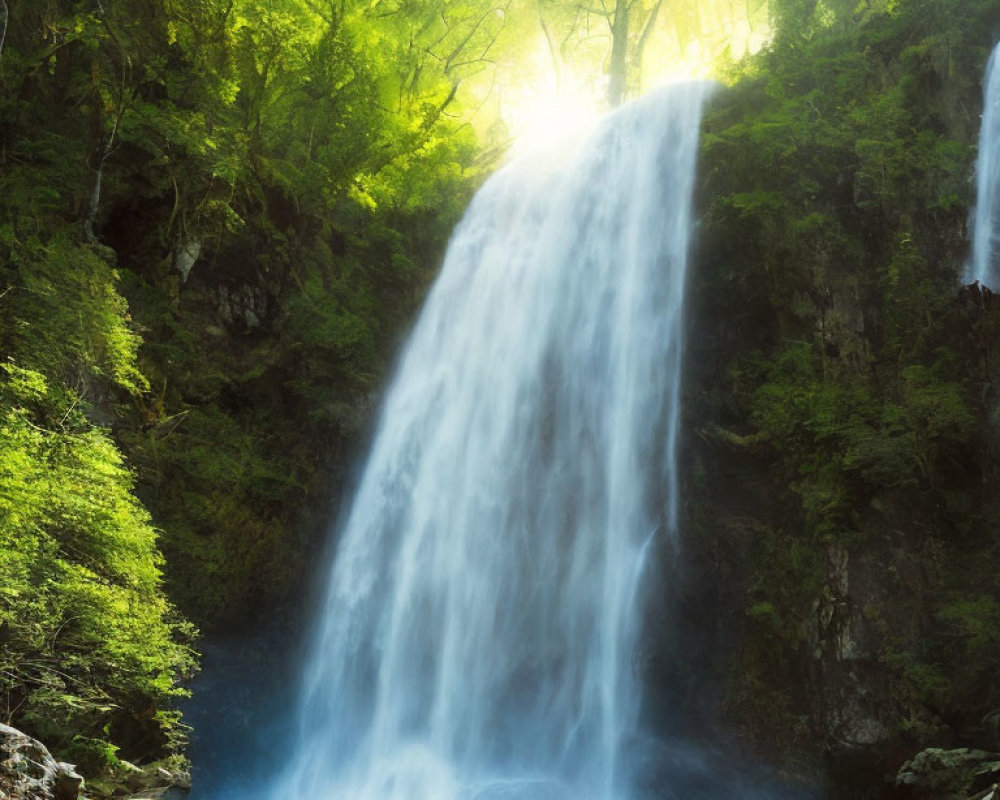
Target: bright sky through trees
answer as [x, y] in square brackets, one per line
[559, 73]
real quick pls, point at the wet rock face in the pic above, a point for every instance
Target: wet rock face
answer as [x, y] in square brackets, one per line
[840, 646]
[29, 772]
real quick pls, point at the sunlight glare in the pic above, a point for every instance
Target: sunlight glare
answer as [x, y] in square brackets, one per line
[551, 108]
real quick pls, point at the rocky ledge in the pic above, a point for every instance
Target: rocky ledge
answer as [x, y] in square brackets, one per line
[960, 774]
[28, 771]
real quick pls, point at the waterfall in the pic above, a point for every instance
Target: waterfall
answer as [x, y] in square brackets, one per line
[985, 235]
[479, 635]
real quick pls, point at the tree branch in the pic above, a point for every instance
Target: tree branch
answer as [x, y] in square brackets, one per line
[468, 37]
[646, 31]
[549, 42]
[125, 67]
[429, 121]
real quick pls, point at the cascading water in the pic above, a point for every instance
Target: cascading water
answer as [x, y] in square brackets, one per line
[986, 230]
[477, 641]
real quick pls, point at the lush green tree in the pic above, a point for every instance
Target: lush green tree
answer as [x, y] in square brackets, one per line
[91, 652]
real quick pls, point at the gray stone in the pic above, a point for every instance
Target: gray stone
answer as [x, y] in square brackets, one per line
[161, 780]
[186, 256]
[68, 782]
[29, 772]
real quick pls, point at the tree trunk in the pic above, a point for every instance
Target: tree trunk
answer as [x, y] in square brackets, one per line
[95, 199]
[3, 24]
[647, 31]
[618, 65]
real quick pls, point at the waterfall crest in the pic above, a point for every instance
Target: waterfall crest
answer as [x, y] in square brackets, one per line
[985, 234]
[478, 638]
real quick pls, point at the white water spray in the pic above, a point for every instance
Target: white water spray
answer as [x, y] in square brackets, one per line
[478, 638]
[986, 230]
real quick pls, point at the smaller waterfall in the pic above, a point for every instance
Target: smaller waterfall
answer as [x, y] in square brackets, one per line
[986, 230]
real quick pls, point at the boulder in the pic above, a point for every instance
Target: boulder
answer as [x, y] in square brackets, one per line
[959, 774]
[29, 772]
[161, 780]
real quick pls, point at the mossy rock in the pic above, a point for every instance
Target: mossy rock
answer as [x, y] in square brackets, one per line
[939, 774]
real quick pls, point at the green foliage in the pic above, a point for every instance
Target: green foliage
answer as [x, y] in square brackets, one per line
[90, 645]
[87, 339]
[91, 651]
[277, 181]
[975, 624]
[319, 164]
[781, 595]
